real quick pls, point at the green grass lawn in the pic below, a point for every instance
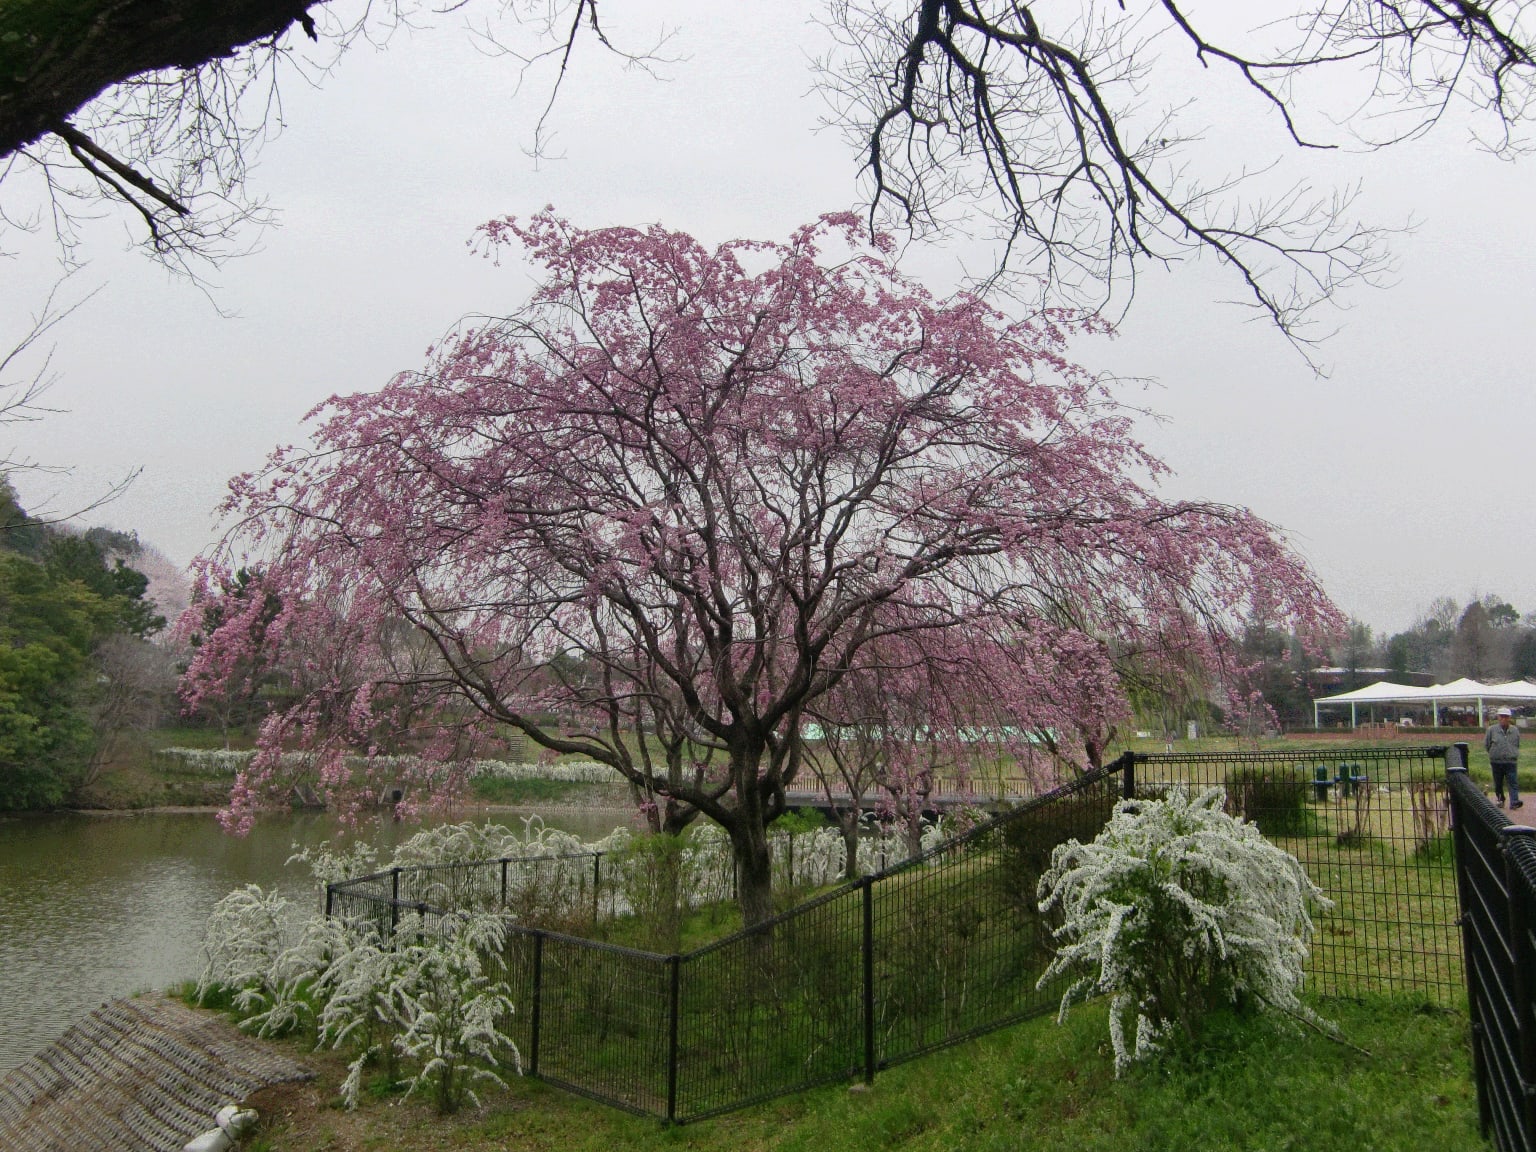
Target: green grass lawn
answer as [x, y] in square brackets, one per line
[954, 952]
[1250, 1085]
[956, 949]
[494, 790]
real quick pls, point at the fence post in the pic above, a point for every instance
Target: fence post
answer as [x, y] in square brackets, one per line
[675, 961]
[1471, 965]
[1523, 955]
[597, 880]
[538, 1003]
[869, 979]
[503, 883]
[330, 891]
[394, 899]
[1465, 751]
[1128, 775]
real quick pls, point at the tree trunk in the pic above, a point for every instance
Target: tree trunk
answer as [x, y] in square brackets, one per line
[754, 871]
[848, 824]
[912, 831]
[645, 803]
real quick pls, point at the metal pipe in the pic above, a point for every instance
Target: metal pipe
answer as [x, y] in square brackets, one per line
[676, 962]
[869, 979]
[538, 1003]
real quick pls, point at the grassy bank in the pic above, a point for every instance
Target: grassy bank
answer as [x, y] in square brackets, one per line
[1037, 1085]
[137, 776]
[955, 949]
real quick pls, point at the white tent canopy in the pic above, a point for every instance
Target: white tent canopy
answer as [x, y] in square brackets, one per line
[1463, 691]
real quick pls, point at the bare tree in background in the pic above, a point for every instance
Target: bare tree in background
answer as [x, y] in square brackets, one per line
[131, 691]
[1060, 128]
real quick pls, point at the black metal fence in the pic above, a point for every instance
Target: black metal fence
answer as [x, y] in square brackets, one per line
[942, 947]
[1372, 828]
[1496, 873]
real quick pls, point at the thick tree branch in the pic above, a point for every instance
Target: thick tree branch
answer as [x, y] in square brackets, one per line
[62, 56]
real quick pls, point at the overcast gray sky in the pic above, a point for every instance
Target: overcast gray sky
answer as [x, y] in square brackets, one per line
[1404, 475]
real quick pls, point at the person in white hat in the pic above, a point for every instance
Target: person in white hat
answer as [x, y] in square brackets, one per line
[1503, 744]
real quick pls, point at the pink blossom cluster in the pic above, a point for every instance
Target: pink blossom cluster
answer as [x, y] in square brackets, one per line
[685, 501]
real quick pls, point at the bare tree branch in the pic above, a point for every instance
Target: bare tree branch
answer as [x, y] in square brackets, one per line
[1063, 130]
[1033, 117]
[21, 403]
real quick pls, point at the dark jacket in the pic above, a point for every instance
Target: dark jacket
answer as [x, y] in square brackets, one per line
[1503, 744]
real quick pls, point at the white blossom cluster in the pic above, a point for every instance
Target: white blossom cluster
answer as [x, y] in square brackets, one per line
[1177, 908]
[228, 761]
[566, 771]
[242, 944]
[446, 1008]
[550, 871]
[469, 842]
[217, 761]
[423, 1001]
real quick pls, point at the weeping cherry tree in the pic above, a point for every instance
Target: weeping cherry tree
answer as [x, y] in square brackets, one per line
[681, 498]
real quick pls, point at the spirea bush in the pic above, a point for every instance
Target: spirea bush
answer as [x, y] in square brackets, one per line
[449, 1008]
[1178, 908]
[423, 1003]
[356, 991]
[242, 943]
[228, 761]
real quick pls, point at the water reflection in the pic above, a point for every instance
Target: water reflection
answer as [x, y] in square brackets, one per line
[95, 907]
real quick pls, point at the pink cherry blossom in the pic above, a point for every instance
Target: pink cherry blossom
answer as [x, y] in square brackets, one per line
[684, 500]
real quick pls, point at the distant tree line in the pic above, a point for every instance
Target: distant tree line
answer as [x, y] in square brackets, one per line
[1486, 639]
[76, 666]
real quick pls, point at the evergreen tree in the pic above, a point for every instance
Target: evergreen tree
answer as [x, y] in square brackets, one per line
[61, 599]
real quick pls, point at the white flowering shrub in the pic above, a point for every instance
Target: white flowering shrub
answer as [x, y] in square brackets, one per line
[248, 956]
[422, 1003]
[883, 845]
[1175, 909]
[228, 761]
[293, 977]
[331, 865]
[242, 942]
[567, 772]
[213, 761]
[810, 858]
[458, 844]
[711, 866]
[356, 991]
[448, 1008]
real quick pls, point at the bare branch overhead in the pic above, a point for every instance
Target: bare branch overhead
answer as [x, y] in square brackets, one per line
[1063, 126]
[1068, 130]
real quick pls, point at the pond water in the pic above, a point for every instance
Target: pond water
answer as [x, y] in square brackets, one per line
[96, 907]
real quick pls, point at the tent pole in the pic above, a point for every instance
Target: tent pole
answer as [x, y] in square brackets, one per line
[1352, 721]
[1316, 723]
[1479, 711]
